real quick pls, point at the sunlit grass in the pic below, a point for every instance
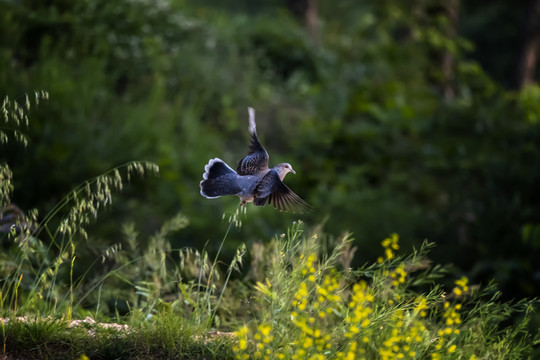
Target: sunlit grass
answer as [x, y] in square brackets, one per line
[309, 305]
[300, 299]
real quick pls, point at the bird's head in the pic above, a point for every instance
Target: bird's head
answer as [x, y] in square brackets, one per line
[284, 168]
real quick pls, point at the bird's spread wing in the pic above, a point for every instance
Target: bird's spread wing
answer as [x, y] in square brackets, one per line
[257, 159]
[273, 191]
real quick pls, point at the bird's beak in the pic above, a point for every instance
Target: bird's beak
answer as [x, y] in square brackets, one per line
[294, 172]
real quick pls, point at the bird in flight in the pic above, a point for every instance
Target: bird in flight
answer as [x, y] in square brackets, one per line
[252, 180]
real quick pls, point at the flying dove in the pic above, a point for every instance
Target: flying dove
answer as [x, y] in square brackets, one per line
[252, 180]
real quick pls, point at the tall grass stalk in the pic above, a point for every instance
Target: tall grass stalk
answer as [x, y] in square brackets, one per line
[233, 266]
[3, 324]
[17, 286]
[233, 219]
[70, 308]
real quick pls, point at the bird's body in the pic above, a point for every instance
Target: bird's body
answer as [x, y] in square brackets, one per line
[252, 180]
[226, 181]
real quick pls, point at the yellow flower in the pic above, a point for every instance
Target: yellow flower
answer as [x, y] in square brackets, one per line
[265, 288]
[452, 348]
[395, 239]
[243, 331]
[353, 329]
[265, 329]
[242, 344]
[389, 244]
[461, 286]
[446, 304]
[462, 282]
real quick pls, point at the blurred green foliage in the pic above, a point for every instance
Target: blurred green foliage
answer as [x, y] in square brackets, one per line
[360, 116]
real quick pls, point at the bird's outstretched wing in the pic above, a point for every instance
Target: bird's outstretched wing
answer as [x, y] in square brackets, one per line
[273, 191]
[257, 159]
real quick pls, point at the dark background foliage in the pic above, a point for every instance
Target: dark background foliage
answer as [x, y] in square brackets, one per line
[406, 117]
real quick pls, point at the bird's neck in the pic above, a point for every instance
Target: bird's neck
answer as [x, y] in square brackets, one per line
[281, 174]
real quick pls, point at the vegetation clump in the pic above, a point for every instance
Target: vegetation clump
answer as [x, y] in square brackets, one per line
[376, 311]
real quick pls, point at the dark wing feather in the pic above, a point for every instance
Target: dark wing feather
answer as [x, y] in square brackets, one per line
[273, 191]
[287, 200]
[257, 159]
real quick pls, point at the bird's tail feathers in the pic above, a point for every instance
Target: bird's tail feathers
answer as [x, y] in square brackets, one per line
[216, 168]
[216, 181]
[252, 126]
